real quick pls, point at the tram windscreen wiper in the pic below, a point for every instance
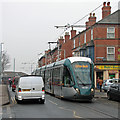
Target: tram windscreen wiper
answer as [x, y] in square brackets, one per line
[81, 81]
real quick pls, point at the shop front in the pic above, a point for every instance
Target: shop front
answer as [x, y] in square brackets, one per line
[106, 72]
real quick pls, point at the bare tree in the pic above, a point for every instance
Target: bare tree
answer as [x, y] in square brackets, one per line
[5, 61]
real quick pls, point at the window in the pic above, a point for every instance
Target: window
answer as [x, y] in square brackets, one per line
[74, 43]
[67, 78]
[91, 34]
[85, 38]
[110, 53]
[110, 32]
[79, 40]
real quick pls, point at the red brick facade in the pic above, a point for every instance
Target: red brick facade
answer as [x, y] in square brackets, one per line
[102, 38]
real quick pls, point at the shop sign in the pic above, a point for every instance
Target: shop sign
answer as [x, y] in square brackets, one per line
[108, 67]
[113, 71]
[119, 54]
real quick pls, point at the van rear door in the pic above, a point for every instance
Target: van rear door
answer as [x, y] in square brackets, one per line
[36, 86]
[25, 85]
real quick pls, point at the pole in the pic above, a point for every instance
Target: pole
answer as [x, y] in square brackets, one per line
[14, 65]
[0, 63]
[58, 51]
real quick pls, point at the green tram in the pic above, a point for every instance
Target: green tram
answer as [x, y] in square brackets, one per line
[71, 78]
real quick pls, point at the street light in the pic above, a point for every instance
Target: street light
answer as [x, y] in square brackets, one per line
[1, 69]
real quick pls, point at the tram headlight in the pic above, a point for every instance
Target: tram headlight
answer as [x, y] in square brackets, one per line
[92, 89]
[77, 90]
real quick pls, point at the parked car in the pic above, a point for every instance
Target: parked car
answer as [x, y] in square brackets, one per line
[107, 83]
[114, 91]
[29, 88]
[14, 83]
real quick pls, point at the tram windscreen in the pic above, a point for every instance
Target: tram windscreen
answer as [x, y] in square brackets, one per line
[82, 72]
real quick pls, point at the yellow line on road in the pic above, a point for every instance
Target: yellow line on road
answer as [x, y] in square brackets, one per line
[73, 111]
[12, 100]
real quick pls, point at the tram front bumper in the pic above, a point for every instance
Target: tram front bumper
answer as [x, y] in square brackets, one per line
[83, 97]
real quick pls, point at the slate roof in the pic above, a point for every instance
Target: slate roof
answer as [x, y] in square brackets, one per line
[113, 18]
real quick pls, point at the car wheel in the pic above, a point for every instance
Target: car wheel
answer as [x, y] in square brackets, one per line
[109, 96]
[19, 102]
[41, 101]
[105, 90]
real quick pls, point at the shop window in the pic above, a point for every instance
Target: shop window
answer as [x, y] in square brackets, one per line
[112, 75]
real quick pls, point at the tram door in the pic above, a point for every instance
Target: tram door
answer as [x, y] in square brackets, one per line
[68, 82]
[57, 78]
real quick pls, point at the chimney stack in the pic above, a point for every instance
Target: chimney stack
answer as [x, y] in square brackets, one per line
[73, 33]
[92, 20]
[106, 10]
[67, 36]
[61, 40]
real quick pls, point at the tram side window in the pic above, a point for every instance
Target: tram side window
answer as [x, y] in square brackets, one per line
[67, 80]
[56, 76]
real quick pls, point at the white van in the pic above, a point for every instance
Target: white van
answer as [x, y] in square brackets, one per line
[30, 87]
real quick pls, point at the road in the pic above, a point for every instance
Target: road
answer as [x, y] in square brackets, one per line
[56, 108]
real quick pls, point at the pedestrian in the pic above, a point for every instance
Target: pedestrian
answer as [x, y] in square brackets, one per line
[100, 81]
[10, 82]
[98, 87]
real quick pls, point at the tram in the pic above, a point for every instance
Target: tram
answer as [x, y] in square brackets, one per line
[71, 78]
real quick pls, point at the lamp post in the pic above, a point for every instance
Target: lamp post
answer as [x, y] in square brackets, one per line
[1, 69]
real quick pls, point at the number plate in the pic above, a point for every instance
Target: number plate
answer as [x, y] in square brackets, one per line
[85, 87]
[24, 90]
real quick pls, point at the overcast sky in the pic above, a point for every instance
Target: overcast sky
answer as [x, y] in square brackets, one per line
[28, 25]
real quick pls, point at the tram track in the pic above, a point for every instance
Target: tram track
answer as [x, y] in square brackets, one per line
[95, 110]
[99, 111]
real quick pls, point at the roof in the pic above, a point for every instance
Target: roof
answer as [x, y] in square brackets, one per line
[111, 19]
[13, 74]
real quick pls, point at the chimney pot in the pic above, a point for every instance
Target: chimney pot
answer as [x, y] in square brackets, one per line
[108, 4]
[93, 14]
[104, 4]
[61, 37]
[90, 14]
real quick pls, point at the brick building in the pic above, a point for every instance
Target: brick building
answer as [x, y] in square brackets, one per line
[99, 41]
[64, 50]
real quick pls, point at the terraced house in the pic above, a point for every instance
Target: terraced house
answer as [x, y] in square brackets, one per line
[100, 41]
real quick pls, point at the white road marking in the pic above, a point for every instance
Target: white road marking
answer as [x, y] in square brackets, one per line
[52, 102]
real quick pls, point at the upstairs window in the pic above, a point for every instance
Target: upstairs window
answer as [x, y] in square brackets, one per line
[85, 38]
[110, 53]
[110, 32]
[74, 43]
[91, 34]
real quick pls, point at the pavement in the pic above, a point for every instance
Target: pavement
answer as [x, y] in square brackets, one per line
[4, 95]
[99, 94]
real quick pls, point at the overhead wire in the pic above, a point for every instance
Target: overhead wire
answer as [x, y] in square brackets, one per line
[78, 21]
